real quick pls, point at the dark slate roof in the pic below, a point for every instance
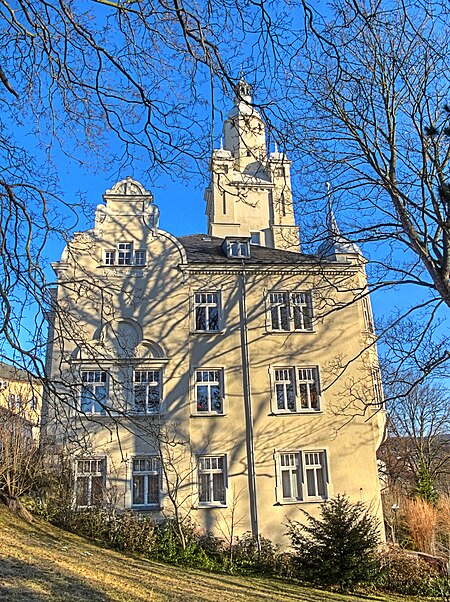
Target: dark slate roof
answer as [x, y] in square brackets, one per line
[201, 248]
[9, 372]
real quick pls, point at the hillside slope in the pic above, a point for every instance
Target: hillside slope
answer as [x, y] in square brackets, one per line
[40, 562]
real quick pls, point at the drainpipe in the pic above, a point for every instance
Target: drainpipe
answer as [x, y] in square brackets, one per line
[246, 386]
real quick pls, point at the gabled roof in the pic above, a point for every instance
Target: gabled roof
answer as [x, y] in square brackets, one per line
[9, 372]
[201, 248]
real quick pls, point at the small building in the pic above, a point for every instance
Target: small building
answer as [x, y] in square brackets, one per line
[225, 376]
[20, 400]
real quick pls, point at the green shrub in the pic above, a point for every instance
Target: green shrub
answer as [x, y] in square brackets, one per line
[247, 559]
[339, 548]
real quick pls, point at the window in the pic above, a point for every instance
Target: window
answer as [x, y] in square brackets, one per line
[90, 475]
[206, 312]
[211, 480]
[291, 476]
[315, 474]
[125, 253]
[209, 391]
[285, 389]
[367, 312]
[147, 391]
[279, 311]
[110, 257]
[301, 311]
[377, 387]
[297, 389]
[255, 238]
[14, 402]
[238, 248]
[140, 257]
[290, 311]
[308, 389]
[146, 481]
[301, 476]
[94, 392]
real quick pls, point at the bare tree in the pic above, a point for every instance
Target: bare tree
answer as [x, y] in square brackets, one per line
[368, 98]
[22, 467]
[111, 86]
[419, 434]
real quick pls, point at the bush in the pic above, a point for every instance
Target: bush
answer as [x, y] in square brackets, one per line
[338, 549]
[403, 573]
[247, 559]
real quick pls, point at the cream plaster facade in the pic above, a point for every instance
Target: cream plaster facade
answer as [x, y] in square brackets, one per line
[20, 400]
[210, 375]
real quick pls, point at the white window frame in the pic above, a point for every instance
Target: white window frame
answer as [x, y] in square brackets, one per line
[278, 308]
[149, 385]
[308, 388]
[315, 463]
[290, 470]
[209, 472]
[304, 474]
[215, 379]
[298, 389]
[148, 468]
[238, 249]
[97, 383]
[110, 257]
[124, 253]
[97, 468]
[205, 300]
[290, 311]
[140, 257]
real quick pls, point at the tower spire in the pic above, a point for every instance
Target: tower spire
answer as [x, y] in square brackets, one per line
[332, 225]
[335, 244]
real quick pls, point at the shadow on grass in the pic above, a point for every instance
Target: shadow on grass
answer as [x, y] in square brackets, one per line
[22, 582]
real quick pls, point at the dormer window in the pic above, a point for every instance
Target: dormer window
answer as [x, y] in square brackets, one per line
[237, 248]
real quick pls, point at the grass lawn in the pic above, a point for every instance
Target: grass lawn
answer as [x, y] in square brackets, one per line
[40, 562]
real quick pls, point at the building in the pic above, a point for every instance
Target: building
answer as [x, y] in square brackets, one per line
[226, 376]
[20, 401]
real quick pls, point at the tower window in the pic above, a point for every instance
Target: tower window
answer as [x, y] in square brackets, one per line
[255, 238]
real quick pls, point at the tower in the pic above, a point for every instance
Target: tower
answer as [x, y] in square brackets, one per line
[250, 192]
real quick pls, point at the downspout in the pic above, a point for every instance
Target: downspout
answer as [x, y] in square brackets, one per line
[246, 386]
[46, 389]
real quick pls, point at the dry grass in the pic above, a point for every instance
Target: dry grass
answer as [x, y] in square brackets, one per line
[40, 562]
[421, 520]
